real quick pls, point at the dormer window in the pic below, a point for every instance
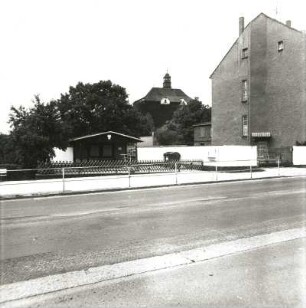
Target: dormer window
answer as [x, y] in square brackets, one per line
[165, 101]
[245, 53]
[280, 45]
[183, 102]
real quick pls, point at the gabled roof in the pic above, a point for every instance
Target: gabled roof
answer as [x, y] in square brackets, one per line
[261, 14]
[281, 23]
[174, 95]
[107, 133]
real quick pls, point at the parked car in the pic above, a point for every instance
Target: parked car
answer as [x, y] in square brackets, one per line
[172, 156]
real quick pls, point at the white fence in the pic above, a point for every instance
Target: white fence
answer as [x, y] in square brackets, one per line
[299, 155]
[210, 155]
[104, 183]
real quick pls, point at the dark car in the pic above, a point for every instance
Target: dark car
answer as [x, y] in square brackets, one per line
[172, 156]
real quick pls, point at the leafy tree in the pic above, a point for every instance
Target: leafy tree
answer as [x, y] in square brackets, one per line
[91, 108]
[169, 134]
[179, 130]
[36, 131]
[7, 153]
[85, 109]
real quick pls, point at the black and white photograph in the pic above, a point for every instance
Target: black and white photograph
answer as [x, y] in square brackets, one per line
[152, 153]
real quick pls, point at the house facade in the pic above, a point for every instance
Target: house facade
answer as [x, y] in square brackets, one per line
[259, 88]
[202, 134]
[104, 146]
[161, 103]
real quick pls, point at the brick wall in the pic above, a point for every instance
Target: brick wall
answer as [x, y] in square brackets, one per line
[227, 107]
[277, 86]
[277, 99]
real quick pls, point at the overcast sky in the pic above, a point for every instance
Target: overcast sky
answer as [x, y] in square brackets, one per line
[49, 45]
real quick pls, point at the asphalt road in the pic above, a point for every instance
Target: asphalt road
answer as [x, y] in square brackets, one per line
[43, 236]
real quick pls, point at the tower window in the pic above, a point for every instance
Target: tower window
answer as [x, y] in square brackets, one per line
[245, 53]
[245, 126]
[244, 97]
[280, 45]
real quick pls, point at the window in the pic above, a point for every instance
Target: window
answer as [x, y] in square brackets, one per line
[84, 152]
[183, 102]
[280, 46]
[244, 97]
[94, 151]
[245, 53]
[165, 101]
[245, 126]
[107, 150]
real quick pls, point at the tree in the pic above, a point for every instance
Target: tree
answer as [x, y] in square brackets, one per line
[36, 131]
[85, 109]
[179, 130]
[169, 134]
[7, 153]
[91, 108]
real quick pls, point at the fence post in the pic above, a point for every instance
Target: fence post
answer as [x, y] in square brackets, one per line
[129, 176]
[175, 170]
[63, 177]
[278, 163]
[216, 172]
[251, 170]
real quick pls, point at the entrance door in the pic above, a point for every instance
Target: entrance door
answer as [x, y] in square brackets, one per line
[262, 150]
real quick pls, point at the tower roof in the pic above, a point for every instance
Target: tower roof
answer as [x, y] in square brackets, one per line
[174, 95]
[167, 81]
[156, 94]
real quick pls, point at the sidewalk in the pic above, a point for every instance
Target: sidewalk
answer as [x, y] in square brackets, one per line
[13, 189]
[264, 271]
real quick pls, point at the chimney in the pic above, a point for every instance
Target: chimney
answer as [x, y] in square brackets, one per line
[288, 23]
[241, 25]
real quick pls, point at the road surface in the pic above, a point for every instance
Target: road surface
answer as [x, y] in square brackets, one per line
[44, 236]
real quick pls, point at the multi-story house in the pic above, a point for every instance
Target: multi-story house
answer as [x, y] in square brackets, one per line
[259, 88]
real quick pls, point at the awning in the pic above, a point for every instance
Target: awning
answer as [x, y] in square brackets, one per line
[261, 135]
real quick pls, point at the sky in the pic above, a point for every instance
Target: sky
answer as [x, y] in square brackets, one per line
[49, 45]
